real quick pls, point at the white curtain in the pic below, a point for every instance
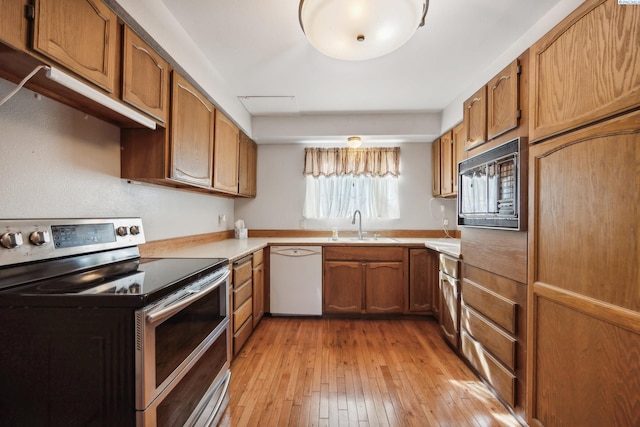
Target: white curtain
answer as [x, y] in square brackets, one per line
[339, 196]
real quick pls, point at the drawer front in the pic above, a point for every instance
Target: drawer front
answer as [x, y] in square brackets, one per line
[364, 253]
[241, 294]
[258, 257]
[449, 265]
[503, 381]
[498, 309]
[243, 334]
[241, 273]
[242, 314]
[492, 338]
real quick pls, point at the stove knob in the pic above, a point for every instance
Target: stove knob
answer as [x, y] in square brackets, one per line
[39, 238]
[134, 230]
[11, 240]
[121, 231]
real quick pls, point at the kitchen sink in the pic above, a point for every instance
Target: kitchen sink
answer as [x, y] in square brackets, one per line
[368, 240]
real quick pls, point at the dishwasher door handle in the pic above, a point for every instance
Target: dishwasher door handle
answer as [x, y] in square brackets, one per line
[294, 252]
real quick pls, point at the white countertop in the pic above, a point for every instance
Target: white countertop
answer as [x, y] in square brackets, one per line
[235, 249]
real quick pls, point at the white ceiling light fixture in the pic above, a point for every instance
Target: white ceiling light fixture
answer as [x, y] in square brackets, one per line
[357, 30]
[354, 142]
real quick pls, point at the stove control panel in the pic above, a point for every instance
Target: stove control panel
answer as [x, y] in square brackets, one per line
[37, 239]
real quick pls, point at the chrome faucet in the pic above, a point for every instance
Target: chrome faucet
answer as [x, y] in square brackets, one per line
[353, 221]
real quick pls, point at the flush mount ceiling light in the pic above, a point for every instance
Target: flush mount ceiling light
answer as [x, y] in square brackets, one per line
[354, 142]
[360, 29]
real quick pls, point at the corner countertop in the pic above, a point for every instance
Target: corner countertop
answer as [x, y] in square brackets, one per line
[234, 249]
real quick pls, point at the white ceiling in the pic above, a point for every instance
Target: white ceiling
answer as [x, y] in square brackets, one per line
[259, 50]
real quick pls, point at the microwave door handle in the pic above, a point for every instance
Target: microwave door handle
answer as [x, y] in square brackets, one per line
[160, 313]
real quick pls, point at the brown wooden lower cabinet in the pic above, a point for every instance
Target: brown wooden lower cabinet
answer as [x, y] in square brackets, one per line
[364, 280]
[423, 281]
[584, 298]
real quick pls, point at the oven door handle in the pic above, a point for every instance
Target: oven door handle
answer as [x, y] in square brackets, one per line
[159, 313]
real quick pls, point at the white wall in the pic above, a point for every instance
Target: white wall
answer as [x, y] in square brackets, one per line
[57, 164]
[281, 193]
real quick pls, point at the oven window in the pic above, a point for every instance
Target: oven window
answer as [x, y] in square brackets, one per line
[180, 335]
[178, 406]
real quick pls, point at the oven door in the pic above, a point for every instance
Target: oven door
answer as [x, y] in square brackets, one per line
[173, 333]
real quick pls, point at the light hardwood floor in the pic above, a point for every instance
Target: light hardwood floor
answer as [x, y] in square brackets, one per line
[344, 372]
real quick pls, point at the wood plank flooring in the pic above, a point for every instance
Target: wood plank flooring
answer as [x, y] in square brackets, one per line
[349, 372]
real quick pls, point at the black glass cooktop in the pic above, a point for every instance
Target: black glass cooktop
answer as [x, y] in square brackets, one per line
[133, 282]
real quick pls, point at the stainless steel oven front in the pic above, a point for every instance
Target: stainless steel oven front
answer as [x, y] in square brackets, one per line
[181, 357]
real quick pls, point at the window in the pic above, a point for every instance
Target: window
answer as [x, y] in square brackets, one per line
[342, 180]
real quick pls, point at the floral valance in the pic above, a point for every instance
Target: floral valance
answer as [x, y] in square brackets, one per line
[350, 161]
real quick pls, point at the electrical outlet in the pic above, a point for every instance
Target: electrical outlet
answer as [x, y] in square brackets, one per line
[222, 218]
[442, 208]
[445, 221]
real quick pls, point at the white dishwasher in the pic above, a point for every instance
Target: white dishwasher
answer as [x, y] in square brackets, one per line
[296, 280]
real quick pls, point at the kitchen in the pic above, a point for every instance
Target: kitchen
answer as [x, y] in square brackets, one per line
[63, 164]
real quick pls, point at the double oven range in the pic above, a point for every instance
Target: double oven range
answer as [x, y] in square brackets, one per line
[91, 334]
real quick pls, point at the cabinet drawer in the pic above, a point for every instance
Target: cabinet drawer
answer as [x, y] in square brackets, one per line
[497, 308]
[242, 314]
[258, 257]
[503, 381]
[241, 294]
[241, 273]
[498, 343]
[449, 265]
[362, 253]
[243, 334]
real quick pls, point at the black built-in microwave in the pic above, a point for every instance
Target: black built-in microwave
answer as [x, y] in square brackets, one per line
[492, 187]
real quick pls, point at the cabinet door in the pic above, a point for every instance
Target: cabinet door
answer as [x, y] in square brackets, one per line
[191, 134]
[145, 77]
[423, 277]
[458, 153]
[258, 294]
[584, 305]
[81, 35]
[384, 290]
[449, 309]
[343, 287]
[585, 69]
[435, 161]
[247, 166]
[225, 161]
[503, 103]
[446, 164]
[475, 119]
[13, 23]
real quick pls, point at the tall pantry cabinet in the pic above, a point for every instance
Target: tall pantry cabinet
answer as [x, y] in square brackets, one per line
[584, 212]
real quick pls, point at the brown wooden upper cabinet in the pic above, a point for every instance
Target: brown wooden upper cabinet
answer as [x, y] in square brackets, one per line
[503, 106]
[247, 165]
[192, 130]
[446, 164]
[445, 154]
[474, 117]
[13, 23]
[494, 109]
[145, 77]
[225, 161]
[572, 87]
[81, 35]
[435, 170]
[458, 152]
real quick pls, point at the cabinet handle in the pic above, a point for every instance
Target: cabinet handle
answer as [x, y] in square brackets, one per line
[505, 77]
[473, 101]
